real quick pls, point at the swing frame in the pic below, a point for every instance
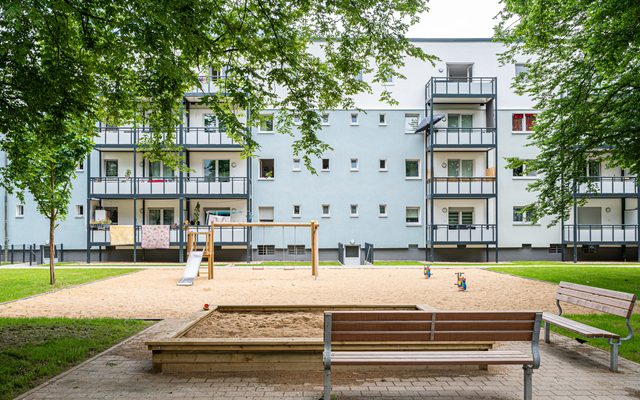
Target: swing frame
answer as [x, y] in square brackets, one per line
[313, 225]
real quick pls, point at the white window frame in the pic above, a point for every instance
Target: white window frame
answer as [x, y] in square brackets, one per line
[19, 210]
[80, 166]
[273, 124]
[525, 217]
[325, 119]
[413, 178]
[383, 121]
[351, 167]
[328, 213]
[293, 211]
[266, 178]
[386, 165]
[525, 174]
[385, 213]
[411, 115]
[322, 165]
[78, 208]
[294, 167]
[351, 213]
[357, 119]
[419, 216]
[522, 66]
[273, 213]
[524, 130]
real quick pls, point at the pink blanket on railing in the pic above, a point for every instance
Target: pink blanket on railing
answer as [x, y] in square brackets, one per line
[155, 237]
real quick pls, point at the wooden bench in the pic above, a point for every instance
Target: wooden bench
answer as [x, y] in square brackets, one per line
[603, 300]
[426, 326]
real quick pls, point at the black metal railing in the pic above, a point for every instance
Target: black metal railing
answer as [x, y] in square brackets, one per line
[609, 185]
[125, 136]
[100, 234]
[143, 185]
[207, 84]
[219, 185]
[600, 233]
[473, 86]
[209, 136]
[482, 137]
[484, 185]
[463, 233]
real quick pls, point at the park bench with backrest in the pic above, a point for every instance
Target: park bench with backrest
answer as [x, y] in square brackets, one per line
[603, 300]
[398, 327]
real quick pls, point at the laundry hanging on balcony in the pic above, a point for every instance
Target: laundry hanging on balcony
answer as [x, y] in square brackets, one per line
[121, 235]
[426, 123]
[155, 237]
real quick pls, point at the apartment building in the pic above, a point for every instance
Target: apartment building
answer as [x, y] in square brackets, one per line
[423, 179]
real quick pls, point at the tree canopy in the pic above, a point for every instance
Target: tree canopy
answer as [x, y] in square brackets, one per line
[583, 59]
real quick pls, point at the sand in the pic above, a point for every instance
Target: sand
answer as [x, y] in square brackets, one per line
[153, 293]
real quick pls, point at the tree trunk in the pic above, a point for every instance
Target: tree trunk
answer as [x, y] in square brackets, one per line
[52, 251]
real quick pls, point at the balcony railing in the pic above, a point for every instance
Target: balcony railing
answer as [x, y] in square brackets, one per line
[101, 234]
[463, 234]
[226, 234]
[462, 186]
[460, 87]
[610, 185]
[208, 84]
[215, 185]
[123, 186]
[208, 136]
[601, 234]
[222, 234]
[466, 137]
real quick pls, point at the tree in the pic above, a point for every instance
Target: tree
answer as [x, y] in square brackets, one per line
[65, 65]
[583, 59]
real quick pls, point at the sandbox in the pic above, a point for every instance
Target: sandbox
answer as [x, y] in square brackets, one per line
[268, 338]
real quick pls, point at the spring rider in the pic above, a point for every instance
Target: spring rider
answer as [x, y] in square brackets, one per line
[461, 281]
[427, 271]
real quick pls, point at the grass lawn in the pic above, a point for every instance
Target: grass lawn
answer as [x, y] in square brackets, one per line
[33, 350]
[614, 278]
[23, 282]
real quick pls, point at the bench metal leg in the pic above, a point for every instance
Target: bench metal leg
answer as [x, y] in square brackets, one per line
[547, 332]
[614, 356]
[327, 384]
[528, 382]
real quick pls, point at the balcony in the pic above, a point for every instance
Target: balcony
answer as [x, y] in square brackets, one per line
[218, 186]
[480, 138]
[463, 234]
[460, 90]
[123, 187]
[208, 84]
[462, 187]
[223, 235]
[114, 137]
[601, 234]
[609, 186]
[207, 137]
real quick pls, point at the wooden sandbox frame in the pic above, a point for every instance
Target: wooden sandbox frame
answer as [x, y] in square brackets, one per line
[178, 354]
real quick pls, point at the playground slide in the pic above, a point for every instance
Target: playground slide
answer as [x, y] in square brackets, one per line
[191, 270]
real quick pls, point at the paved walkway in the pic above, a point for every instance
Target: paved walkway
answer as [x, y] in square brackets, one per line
[569, 371]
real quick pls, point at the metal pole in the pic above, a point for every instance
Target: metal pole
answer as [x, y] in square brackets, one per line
[431, 200]
[181, 187]
[88, 210]
[135, 190]
[575, 224]
[6, 217]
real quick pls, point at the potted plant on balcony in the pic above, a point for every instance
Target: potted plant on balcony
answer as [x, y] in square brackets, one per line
[196, 214]
[101, 224]
[127, 174]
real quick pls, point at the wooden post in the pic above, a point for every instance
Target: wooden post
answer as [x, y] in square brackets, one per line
[209, 250]
[314, 248]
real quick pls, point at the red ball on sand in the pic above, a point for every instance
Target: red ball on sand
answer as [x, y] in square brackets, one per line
[206, 307]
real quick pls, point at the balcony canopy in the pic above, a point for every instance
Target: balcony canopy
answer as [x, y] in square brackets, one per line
[426, 123]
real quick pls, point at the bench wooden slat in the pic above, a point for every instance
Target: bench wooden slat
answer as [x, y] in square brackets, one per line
[596, 298]
[599, 291]
[484, 316]
[377, 336]
[381, 316]
[578, 327]
[592, 305]
[353, 326]
[432, 358]
[497, 336]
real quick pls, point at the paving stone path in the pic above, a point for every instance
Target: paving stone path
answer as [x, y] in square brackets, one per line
[569, 371]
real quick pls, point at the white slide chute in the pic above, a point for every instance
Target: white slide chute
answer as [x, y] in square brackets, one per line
[191, 270]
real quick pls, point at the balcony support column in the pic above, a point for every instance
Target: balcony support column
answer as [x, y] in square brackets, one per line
[181, 187]
[88, 208]
[430, 198]
[575, 223]
[135, 191]
[249, 203]
[637, 228]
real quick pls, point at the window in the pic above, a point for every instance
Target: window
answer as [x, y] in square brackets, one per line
[79, 211]
[267, 168]
[412, 215]
[382, 210]
[382, 119]
[217, 170]
[460, 122]
[411, 122]
[266, 125]
[265, 214]
[212, 124]
[158, 170]
[354, 118]
[457, 168]
[112, 214]
[266, 249]
[412, 169]
[296, 211]
[295, 249]
[460, 218]
[521, 68]
[325, 164]
[524, 171]
[296, 164]
[161, 216]
[353, 210]
[325, 210]
[593, 168]
[19, 210]
[555, 248]
[111, 168]
[521, 123]
[382, 165]
[522, 217]
[354, 164]
[459, 72]
[359, 77]
[325, 119]
[218, 214]
[388, 79]
[80, 167]
[296, 119]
